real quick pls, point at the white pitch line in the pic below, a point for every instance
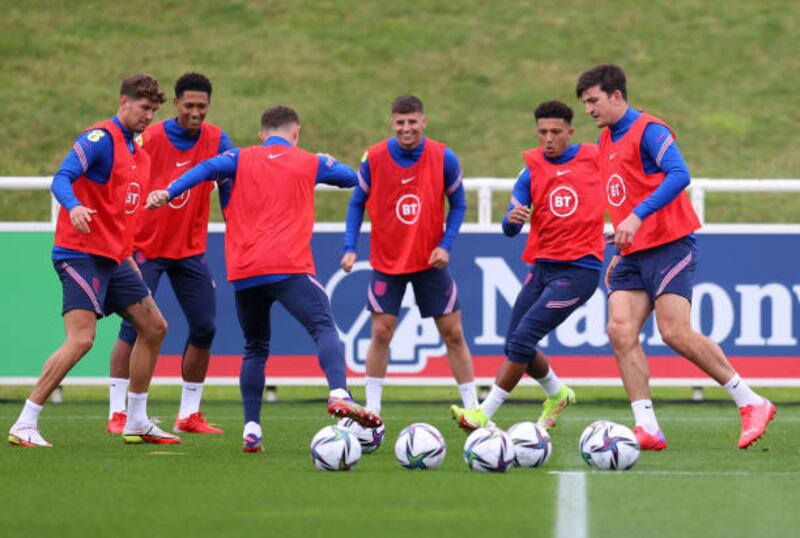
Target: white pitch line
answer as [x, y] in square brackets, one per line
[571, 515]
[634, 472]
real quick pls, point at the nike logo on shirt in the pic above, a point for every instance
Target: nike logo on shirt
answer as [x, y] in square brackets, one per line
[184, 163]
[562, 172]
[407, 179]
[274, 156]
[611, 157]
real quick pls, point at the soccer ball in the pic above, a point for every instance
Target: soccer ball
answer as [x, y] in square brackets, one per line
[334, 449]
[370, 439]
[489, 450]
[532, 446]
[420, 446]
[609, 446]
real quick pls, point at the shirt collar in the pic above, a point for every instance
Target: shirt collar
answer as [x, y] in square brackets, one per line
[276, 141]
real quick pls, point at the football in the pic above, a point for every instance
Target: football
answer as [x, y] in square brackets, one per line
[420, 446]
[609, 446]
[334, 449]
[370, 439]
[532, 446]
[489, 450]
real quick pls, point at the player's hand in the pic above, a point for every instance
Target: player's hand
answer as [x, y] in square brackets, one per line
[611, 266]
[135, 266]
[519, 215]
[157, 199]
[439, 258]
[348, 260]
[80, 217]
[623, 235]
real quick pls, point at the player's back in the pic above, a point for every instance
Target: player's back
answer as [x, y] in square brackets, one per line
[270, 216]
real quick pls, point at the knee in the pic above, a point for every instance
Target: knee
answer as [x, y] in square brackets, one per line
[453, 336]
[202, 334]
[81, 342]
[256, 349]
[623, 335]
[382, 334]
[673, 333]
[155, 330]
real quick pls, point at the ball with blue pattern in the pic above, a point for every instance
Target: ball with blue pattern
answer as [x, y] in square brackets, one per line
[334, 449]
[420, 447]
[609, 446]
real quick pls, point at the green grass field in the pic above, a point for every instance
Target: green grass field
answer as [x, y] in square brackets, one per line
[92, 484]
[725, 79]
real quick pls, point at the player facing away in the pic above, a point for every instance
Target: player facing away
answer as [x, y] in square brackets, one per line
[402, 182]
[98, 186]
[560, 190]
[173, 241]
[270, 220]
[644, 176]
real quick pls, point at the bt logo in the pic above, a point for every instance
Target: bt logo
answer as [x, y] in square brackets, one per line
[615, 190]
[132, 198]
[408, 208]
[563, 201]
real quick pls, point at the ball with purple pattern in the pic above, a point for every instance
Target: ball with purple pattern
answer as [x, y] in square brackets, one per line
[370, 439]
[609, 446]
[489, 450]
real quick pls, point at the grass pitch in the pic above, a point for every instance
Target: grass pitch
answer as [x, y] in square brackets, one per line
[91, 484]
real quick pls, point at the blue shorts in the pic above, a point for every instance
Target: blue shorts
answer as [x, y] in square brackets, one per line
[551, 292]
[434, 289]
[99, 284]
[667, 268]
[194, 289]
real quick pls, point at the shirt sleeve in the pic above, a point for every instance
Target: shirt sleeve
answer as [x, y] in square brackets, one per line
[332, 172]
[216, 168]
[355, 210]
[520, 196]
[457, 200]
[92, 156]
[660, 153]
[225, 143]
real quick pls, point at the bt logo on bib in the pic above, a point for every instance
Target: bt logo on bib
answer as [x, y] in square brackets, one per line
[563, 201]
[408, 208]
[132, 198]
[615, 190]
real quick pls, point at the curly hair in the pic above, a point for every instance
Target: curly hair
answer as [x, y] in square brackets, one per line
[553, 109]
[192, 82]
[140, 86]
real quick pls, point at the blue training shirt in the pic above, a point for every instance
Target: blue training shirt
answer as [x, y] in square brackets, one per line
[95, 160]
[90, 156]
[521, 195]
[659, 153]
[453, 187]
[219, 168]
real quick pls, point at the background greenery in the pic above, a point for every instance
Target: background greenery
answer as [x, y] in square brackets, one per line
[724, 75]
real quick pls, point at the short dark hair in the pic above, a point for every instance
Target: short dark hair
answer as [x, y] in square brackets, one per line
[277, 116]
[141, 86]
[553, 109]
[192, 82]
[608, 76]
[407, 104]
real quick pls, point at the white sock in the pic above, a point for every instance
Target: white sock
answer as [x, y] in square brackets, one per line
[190, 399]
[645, 415]
[137, 411]
[741, 393]
[469, 394]
[252, 427]
[374, 386]
[550, 383]
[494, 400]
[339, 393]
[29, 416]
[117, 390]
